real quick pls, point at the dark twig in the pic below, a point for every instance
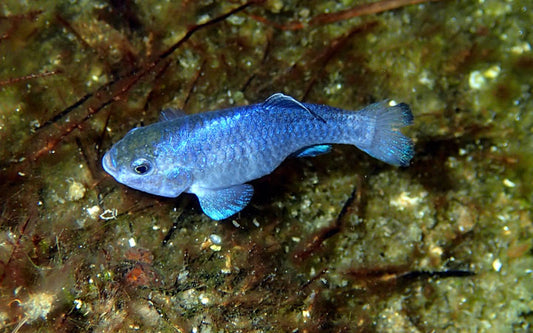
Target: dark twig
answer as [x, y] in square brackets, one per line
[197, 27]
[29, 77]
[318, 239]
[361, 10]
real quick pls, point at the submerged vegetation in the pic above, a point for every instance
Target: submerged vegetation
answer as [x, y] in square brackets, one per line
[339, 242]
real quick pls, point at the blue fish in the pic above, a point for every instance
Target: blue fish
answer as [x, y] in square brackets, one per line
[214, 154]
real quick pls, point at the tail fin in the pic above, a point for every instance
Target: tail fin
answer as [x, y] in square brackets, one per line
[388, 143]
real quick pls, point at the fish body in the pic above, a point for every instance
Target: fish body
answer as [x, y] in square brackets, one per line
[214, 154]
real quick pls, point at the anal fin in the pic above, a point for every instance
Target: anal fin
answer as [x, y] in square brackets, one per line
[313, 151]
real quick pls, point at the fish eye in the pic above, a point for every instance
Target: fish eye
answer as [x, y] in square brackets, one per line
[141, 166]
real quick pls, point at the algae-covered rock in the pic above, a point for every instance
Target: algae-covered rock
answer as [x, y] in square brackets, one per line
[340, 242]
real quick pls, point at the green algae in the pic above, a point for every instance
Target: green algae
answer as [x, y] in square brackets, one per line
[340, 242]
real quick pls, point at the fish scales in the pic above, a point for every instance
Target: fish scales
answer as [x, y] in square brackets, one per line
[214, 154]
[276, 135]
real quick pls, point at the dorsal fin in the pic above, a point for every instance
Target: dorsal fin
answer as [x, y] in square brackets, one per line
[280, 100]
[171, 113]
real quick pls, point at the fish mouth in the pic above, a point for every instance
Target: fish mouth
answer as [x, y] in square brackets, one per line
[108, 163]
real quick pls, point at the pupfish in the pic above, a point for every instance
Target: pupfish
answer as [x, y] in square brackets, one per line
[215, 154]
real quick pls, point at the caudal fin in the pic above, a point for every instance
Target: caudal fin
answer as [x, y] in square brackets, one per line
[388, 143]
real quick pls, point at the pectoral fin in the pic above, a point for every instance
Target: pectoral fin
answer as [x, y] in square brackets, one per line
[222, 203]
[175, 182]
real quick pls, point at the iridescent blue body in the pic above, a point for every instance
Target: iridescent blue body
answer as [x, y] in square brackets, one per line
[214, 154]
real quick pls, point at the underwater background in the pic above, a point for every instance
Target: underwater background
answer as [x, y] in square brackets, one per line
[340, 242]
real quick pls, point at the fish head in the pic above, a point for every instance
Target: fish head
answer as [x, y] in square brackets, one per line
[137, 161]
